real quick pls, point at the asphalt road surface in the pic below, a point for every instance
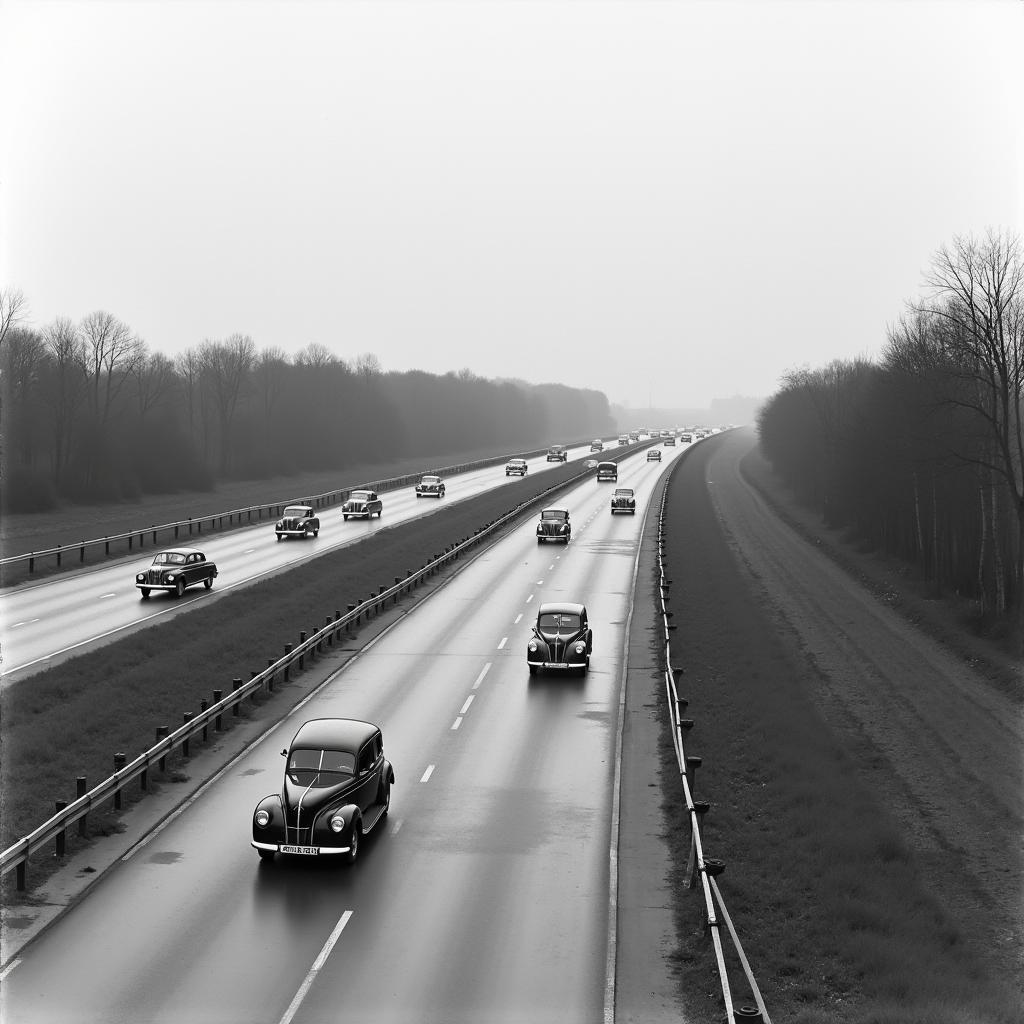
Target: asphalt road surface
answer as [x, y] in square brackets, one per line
[487, 895]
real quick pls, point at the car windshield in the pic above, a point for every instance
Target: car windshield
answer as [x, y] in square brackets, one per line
[295, 511]
[360, 496]
[556, 514]
[624, 492]
[558, 622]
[319, 768]
[431, 480]
[169, 558]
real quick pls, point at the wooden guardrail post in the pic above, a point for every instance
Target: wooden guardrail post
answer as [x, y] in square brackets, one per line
[692, 764]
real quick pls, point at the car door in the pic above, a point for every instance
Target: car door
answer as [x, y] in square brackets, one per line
[368, 765]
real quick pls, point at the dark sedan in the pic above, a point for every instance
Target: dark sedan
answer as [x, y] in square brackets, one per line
[175, 570]
[337, 789]
[562, 639]
[298, 521]
[362, 505]
[624, 501]
[430, 487]
[554, 525]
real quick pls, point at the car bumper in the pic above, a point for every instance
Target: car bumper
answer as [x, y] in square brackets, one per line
[157, 586]
[301, 851]
[556, 665]
[363, 513]
[292, 533]
[560, 538]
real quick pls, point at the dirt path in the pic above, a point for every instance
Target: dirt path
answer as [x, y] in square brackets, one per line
[936, 738]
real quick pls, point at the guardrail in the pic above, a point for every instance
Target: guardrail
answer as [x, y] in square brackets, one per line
[54, 830]
[700, 870]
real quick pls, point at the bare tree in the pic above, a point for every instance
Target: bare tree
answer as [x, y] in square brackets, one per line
[112, 355]
[368, 366]
[227, 368]
[12, 310]
[316, 355]
[977, 293]
[155, 378]
[66, 392]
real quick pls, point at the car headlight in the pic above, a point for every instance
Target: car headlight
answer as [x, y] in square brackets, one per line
[170, 576]
[532, 647]
[262, 818]
[581, 648]
[141, 578]
[337, 823]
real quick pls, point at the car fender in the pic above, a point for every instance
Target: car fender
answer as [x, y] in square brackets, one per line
[273, 831]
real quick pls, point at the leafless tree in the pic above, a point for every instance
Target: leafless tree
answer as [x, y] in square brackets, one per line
[155, 378]
[12, 310]
[227, 369]
[368, 366]
[66, 391]
[112, 355]
[317, 356]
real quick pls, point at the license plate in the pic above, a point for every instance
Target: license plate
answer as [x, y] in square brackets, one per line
[309, 851]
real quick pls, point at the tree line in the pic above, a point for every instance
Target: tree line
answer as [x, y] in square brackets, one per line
[90, 413]
[921, 451]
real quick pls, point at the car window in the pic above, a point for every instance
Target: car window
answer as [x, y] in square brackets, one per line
[367, 757]
[319, 768]
[558, 621]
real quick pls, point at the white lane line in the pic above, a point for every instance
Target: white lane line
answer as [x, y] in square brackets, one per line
[315, 969]
[504, 640]
[455, 725]
[7, 970]
[396, 827]
[103, 597]
[469, 700]
[428, 773]
[518, 617]
[540, 583]
[248, 551]
[529, 599]
[483, 672]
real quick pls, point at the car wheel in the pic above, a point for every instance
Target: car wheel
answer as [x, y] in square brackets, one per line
[316, 533]
[145, 593]
[208, 582]
[384, 797]
[266, 854]
[533, 670]
[353, 847]
[279, 538]
[179, 587]
[344, 516]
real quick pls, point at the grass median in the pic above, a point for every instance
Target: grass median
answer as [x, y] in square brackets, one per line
[70, 720]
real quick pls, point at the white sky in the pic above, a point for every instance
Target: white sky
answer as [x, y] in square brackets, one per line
[666, 201]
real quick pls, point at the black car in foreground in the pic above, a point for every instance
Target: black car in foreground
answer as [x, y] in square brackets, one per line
[337, 789]
[562, 639]
[174, 570]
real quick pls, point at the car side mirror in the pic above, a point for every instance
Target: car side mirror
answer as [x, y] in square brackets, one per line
[284, 753]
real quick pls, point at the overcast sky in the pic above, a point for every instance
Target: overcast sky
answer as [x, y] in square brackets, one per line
[670, 202]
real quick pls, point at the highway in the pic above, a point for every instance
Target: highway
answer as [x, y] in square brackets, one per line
[486, 897]
[67, 615]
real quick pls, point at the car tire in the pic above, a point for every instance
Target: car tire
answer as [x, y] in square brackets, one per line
[316, 533]
[208, 582]
[179, 588]
[344, 516]
[145, 593]
[357, 835]
[279, 538]
[266, 855]
[533, 669]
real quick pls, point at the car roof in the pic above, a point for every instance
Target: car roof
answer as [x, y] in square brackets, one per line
[561, 606]
[177, 551]
[623, 490]
[334, 733]
[560, 511]
[298, 504]
[600, 464]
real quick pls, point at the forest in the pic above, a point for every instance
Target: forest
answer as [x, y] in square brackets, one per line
[920, 452]
[91, 414]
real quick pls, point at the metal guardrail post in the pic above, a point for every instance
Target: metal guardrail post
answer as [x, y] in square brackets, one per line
[162, 732]
[119, 762]
[203, 708]
[287, 664]
[82, 788]
[270, 675]
[302, 654]
[187, 717]
[218, 725]
[692, 764]
[236, 684]
[61, 838]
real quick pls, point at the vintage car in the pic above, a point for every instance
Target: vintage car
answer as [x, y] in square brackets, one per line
[634, 435]
[607, 471]
[516, 467]
[623, 501]
[561, 640]
[554, 525]
[670, 441]
[175, 570]
[654, 455]
[337, 789]
[430, 487]
[362, 505]
[298, 521]
[686, 438]
[557, 453]
[597, 445]
[623, 438]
